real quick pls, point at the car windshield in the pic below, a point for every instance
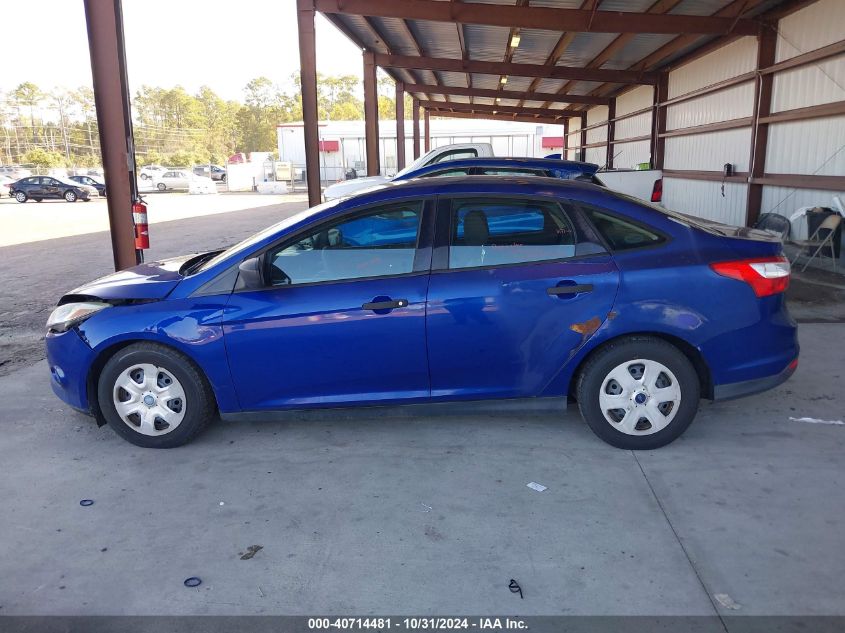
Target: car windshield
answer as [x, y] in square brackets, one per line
[252, 240]
[415, 165]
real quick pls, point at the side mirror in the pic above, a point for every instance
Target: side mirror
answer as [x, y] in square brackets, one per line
[250, 275]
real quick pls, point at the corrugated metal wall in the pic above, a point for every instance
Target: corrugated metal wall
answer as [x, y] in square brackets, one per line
[629, 155]
[814, 146]
[809, 147]
[710, 151]
[596, 115]
[574, 138]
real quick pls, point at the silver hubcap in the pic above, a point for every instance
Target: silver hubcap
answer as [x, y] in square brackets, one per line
[149, 399]
[20, 197]
[640, 397]
[70, 196]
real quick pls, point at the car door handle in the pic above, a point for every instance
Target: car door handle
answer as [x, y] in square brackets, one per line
[385, 305]
[569, 290]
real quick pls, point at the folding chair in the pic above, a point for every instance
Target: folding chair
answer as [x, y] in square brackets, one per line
[774, 223]
[830, 224]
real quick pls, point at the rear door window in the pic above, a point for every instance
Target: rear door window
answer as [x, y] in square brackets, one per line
[492, 232]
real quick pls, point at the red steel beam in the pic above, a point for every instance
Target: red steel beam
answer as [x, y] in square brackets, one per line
[308, 81]
[415, 109]
[518, 70]
[476, 107]
[371, 114]
[766, 49]
[111, 96]
[400, 126]
[444, 111]
[506, 94]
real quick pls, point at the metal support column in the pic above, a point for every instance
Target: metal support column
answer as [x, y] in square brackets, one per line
[611, 133]
[400, 125]
[766, 46]
[416, 112]
[371, 114]
[583, 137]
[308, 80]
[565, 150]
[658, 121]
[111, 96]
[427, 127]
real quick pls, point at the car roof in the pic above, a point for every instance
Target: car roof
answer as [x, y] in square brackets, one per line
[513, 162]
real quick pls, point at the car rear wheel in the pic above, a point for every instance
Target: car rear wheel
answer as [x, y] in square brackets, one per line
[38, 199]
[639, 393]
[20, 196]
[154, 397]
[161, 186]
[70, 196]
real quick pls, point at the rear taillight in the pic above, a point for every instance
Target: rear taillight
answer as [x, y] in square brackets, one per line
[766, 276]
[657, 190]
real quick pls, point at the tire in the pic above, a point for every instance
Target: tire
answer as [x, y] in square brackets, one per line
[177, 378]
[223, 178]
[38, 199]
[657, 386]
[161, 186]
[20, 196]
[70, 196]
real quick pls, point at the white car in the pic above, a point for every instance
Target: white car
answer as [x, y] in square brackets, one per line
[437, 155]
[151, 172]
[174, 179]
[5, 181]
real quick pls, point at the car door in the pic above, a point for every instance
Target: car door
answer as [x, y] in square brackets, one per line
[517, 286]
[51, 187]
[342, 316]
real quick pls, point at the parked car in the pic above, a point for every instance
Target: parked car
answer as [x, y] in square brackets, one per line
[436, 290]
[150, 172]
[217, 173]
[173, 179]
[5, 185]
[491, 166]
[15, 172]
[40, 188]
[437, 155]
[99, 185]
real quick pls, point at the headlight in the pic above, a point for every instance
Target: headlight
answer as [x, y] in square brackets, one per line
[66, 316]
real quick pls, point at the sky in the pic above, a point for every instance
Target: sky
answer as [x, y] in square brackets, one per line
[219, 43]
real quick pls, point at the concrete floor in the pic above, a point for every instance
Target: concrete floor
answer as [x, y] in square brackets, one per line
[409, 510]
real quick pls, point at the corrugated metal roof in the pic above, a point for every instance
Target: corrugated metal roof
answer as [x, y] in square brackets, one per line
[490, 43]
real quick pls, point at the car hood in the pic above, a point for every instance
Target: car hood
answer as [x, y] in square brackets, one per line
[347, 187]
[150, 280]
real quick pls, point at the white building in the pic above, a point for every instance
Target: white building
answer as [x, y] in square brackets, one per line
[342, 144]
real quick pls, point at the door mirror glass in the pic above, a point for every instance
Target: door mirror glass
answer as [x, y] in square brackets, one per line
[249, 274]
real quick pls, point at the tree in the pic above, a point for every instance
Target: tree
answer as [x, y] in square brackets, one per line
[43, 158]
[29, 94]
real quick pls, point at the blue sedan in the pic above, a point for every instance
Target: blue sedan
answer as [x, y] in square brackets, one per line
[456, 289]
[493, 166]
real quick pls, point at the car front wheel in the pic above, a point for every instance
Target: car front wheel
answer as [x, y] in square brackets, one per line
[161, 186]
[20, 196]
[154, 397]
[638, 393]
[70, 196]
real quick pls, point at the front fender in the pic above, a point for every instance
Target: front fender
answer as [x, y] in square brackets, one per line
[191, 326]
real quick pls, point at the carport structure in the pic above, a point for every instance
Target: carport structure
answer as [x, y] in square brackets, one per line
[683, 85]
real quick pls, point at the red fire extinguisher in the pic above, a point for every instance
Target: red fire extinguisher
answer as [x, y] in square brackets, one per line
[142, 231]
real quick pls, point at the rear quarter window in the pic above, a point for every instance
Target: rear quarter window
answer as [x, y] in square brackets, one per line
[621, 234]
